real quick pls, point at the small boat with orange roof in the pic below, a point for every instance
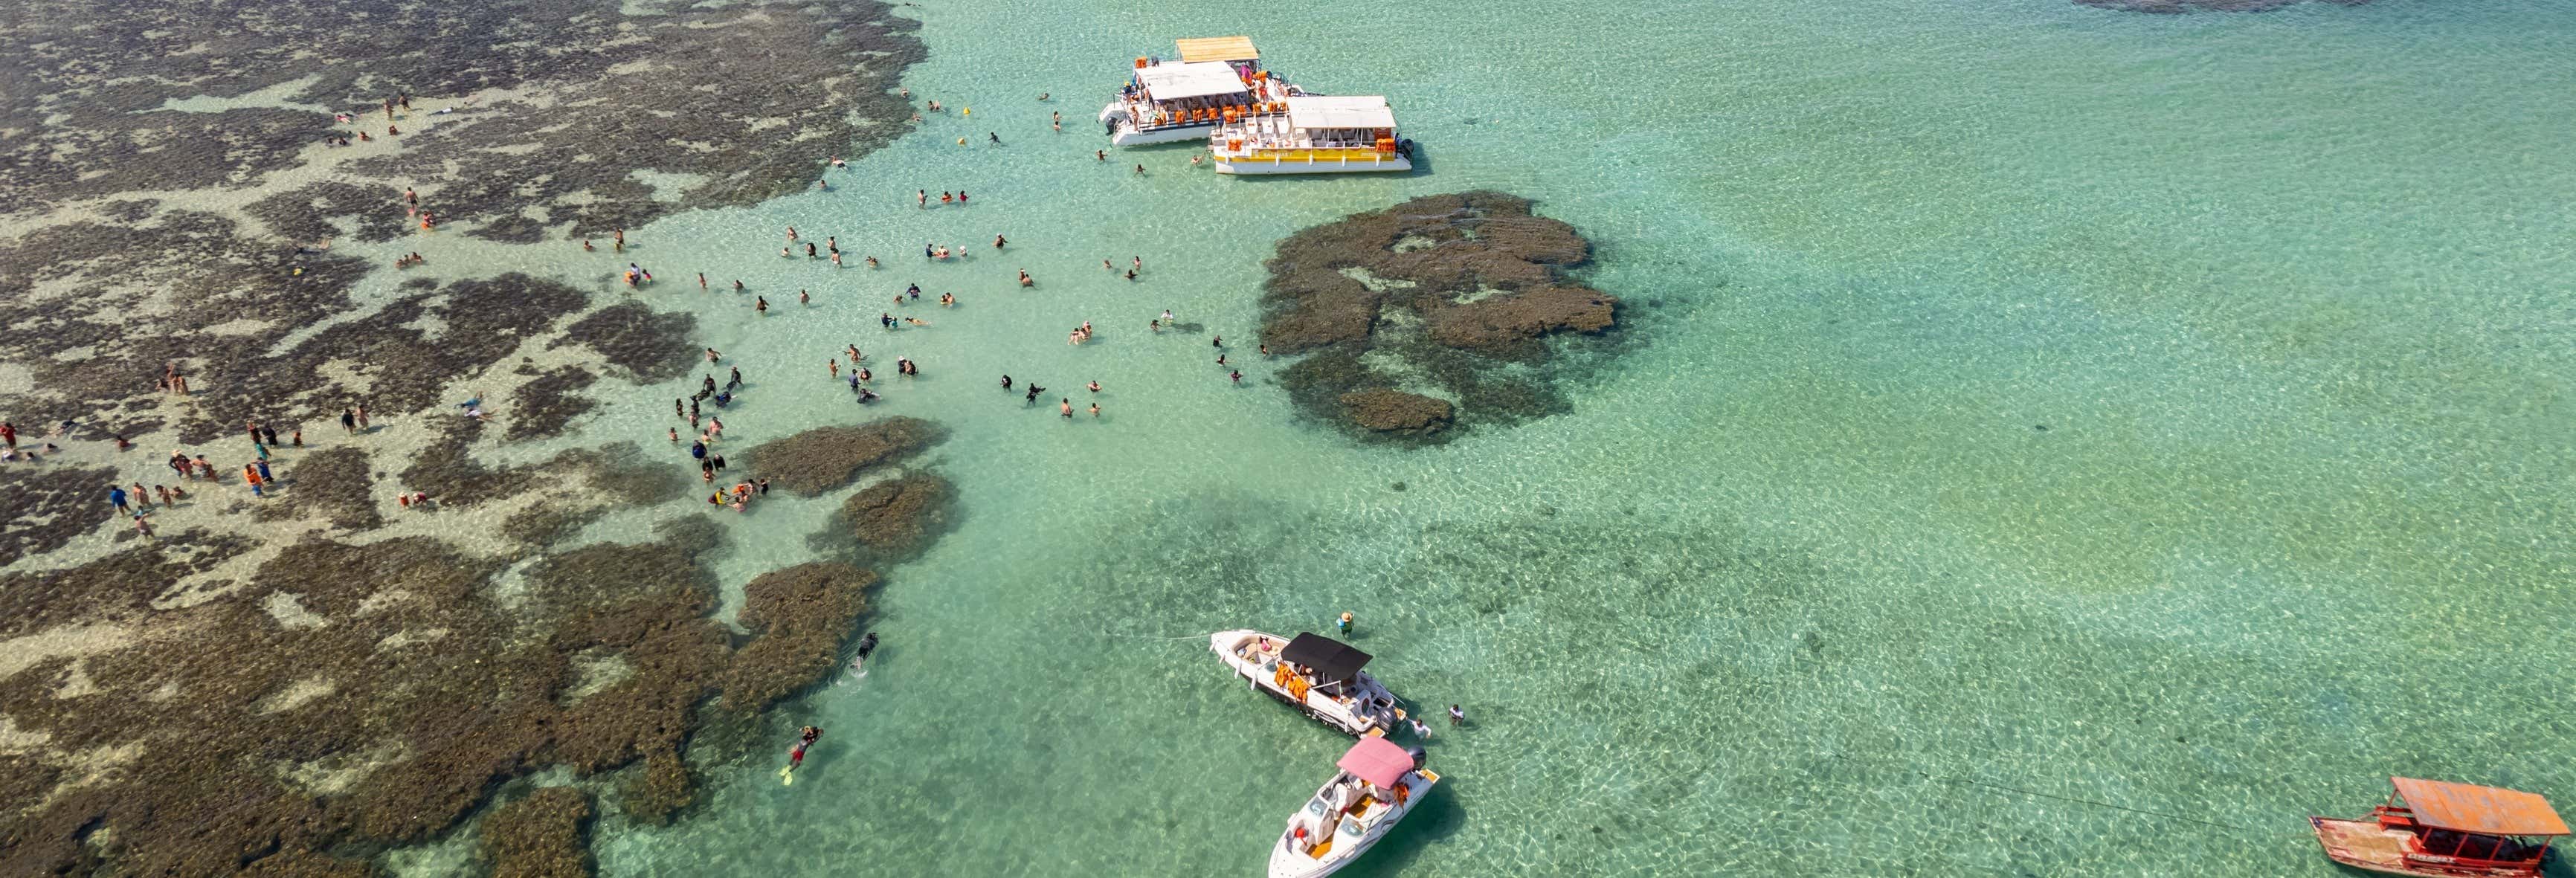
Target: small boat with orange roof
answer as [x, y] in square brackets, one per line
[2438, 829]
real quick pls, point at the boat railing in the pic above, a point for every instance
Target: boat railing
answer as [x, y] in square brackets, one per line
[1285, 155]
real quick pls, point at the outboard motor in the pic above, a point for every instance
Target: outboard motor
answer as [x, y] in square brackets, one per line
[1419, 756]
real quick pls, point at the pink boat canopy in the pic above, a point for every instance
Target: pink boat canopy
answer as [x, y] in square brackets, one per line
[1378, 761]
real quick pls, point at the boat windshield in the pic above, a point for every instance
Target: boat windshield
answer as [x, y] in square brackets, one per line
[1316, 807]
[1352, 828]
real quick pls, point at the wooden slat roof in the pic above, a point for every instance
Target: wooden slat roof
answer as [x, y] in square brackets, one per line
[2472, 808]
[1217, 49]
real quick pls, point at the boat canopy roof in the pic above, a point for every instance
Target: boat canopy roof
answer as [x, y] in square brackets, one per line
[1377, 760]
[1172, 82]
[1340, 112]
[1217, 49]
[1333, 660]
[2471, 808]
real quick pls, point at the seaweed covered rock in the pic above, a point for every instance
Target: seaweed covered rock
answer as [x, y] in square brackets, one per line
[800, 616]
[335, 484]
[545, 405]
[540, 836]
[499, 165]
[660, 790]
[1456, 293]
[649, 345]
[49, 505]
[344, 694]
[1394, 411]
[2173, 7]
[895, 520]
[825, 458]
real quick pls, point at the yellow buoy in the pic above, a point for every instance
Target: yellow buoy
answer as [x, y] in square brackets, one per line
[961, 141]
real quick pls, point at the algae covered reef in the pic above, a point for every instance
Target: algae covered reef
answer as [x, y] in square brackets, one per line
[1430, 314]
[297, 682]
[186, 707]
[544, 109]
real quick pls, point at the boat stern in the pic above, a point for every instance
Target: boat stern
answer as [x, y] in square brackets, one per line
[2362, 844]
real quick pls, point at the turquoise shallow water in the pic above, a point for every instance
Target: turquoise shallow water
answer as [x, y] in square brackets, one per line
[1800, 586]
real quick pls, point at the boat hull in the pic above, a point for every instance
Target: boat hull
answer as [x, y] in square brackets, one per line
[1286, 861]
[1256, 164]
[1127, 136]
[1315, 706]
[2370, 847]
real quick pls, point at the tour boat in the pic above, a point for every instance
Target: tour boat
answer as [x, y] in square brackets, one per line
[1312, 134]
[1216, 79]
[1378, 784]
[1313, 673]
[2445, 830]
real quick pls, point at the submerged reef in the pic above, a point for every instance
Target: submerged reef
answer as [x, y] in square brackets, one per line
[540, 836]
[1432, 312]
[529, 118]
[339, 698]
[2172, 7]
[825, 458]
[293, 683]
[895, 520]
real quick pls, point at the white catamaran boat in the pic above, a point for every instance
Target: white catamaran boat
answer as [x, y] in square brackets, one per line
[1378, 784]
[1308, 134]
[1216, 79]
[1313, 673]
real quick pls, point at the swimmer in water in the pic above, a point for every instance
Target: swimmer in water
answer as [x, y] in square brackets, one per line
[867, 646]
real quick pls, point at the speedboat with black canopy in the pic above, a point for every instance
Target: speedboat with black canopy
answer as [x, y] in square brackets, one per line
[1318, 675]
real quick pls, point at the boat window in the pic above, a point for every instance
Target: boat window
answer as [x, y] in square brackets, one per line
[1352, 828]
[1316, 807]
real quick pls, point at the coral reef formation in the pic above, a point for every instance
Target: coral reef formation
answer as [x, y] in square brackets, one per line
[825, 458]
[1444, 299]
[540, 836]
[895, 520]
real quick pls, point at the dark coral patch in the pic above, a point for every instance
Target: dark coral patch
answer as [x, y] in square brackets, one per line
[1445, 295]
[825, 458]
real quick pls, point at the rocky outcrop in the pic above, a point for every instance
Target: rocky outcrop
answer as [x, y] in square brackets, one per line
[1394, 411]
[540, 836]
[1444, 292]
[800, 616]
[2174, 7]
[895, 520]
[824, 458]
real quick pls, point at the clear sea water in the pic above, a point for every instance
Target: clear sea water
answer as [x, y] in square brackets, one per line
[1800, 586]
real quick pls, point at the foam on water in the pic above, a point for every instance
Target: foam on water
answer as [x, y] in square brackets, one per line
[1802, 570]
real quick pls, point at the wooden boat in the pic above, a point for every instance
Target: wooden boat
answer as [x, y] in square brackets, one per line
[1378, 784]
[1318, 675]
[2446, 830]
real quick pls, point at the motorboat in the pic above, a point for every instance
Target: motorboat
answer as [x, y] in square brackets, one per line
[1377, 785]
[2438, 829]
[1318, 675]
[1312, 134]
[1216, 79]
